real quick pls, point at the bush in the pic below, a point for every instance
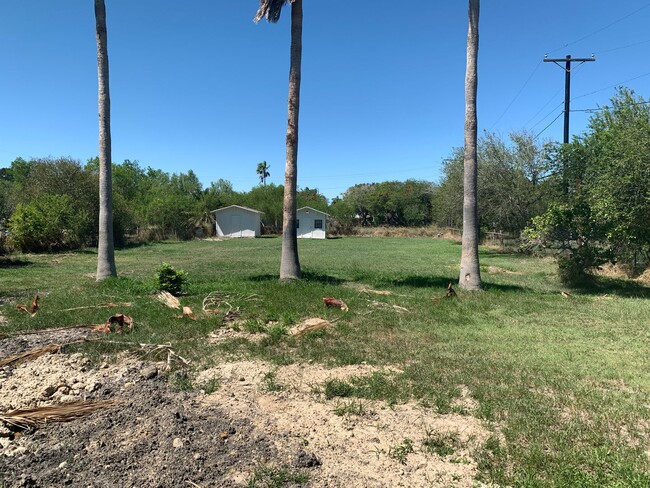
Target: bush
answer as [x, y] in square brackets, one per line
[170, 280]
[49, 223]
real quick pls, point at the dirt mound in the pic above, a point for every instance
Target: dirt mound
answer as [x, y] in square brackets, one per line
[262, 424]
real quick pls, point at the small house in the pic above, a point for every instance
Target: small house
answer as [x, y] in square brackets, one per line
[237, 221]
[311, 223]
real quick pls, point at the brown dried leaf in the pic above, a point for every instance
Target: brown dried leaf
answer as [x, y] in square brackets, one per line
[187, 312]
[119, 320]
[336, 303]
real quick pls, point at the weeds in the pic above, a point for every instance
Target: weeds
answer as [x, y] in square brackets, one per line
[270, 381]
[401, 451]
[349, 408]
[267, 476]
[439, 443]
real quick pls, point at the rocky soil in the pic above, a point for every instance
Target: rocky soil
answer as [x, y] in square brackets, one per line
[244, 423]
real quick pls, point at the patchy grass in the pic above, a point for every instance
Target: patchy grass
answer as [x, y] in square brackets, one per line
[563, 381]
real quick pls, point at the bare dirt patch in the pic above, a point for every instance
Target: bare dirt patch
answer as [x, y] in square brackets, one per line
[261, 419]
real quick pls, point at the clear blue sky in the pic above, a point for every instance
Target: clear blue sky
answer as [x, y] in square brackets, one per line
[197, 85]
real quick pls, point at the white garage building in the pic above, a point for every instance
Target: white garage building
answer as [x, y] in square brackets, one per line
[311, 223]
[236, 221]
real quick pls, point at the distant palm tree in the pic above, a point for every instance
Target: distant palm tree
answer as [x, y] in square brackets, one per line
[263, 171]
[470, 274]
[105, 248]
[271, 9]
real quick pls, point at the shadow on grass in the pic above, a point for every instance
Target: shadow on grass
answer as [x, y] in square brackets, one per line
[443, 281]
[14, 263]
[306, 276]
[613, 286]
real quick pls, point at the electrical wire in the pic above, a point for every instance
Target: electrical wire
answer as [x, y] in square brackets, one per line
[517, 95]
[601, 28]
[540, 132]
[610, 86]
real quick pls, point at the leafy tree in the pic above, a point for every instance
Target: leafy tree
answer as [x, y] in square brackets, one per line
[271, 9]
[105, 249]
[604, 211]
[311, 197]
[470, 273]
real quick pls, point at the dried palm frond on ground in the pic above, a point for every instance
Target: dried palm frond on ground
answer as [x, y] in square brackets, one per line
[65, 412]
[168, 299]
[213, 302]
[32, 308]
[29, 355]
[310, 325]
[450, 293]
[101, 305]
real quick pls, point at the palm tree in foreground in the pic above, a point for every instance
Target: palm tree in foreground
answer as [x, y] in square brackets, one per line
[105, 248]
[271, 9]
[470, 274]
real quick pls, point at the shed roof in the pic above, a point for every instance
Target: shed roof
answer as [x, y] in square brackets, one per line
[247, 209]
[313, 210]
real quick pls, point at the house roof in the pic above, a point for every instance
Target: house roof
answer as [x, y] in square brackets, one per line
[239, 207]
[308, 209]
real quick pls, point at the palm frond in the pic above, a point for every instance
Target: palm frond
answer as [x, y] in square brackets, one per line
[65, 412]
[270, 10]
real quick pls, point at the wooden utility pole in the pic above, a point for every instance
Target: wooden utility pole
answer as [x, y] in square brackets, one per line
[567, 85]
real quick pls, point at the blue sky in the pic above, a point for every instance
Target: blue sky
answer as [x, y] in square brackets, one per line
[197, 85]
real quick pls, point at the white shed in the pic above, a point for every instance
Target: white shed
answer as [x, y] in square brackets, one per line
[236, 221]
[311, 223]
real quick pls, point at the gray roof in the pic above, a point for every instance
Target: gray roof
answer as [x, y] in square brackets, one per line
[237, 206]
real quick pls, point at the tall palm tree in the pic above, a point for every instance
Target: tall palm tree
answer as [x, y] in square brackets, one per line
[105, 249]
[470, 274]
[263, 171]
[271, 9]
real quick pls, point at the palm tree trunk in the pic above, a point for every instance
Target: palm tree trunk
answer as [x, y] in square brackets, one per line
[105, 250]
[470, 274]
[289, 264]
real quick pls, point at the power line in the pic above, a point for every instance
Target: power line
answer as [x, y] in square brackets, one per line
[611, 86]
[601, 28]
[623, 47]
[600, 109]
[540, 132]
[516, 96]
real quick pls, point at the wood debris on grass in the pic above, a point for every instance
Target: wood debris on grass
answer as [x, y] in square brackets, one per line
[310, 325]
[35, 417]
[31, 311]
[397, 308]
[118, 321]
[187, 312]
[335, 303]
[450, 293]
[102, 305]
[168, 299]
[218, 302]
[565, 294]
[30, 355]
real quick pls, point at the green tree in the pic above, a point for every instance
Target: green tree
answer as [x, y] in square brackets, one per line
[263, 171]
[470, 273]
[271, 9]
[603, 213]
[105, 249]
[48, 223]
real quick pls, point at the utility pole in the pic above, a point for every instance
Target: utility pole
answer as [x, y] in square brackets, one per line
[567, 85]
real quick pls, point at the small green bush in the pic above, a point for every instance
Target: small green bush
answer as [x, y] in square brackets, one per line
[169, 279]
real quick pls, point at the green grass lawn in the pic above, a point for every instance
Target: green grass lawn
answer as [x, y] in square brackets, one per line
[563, 382]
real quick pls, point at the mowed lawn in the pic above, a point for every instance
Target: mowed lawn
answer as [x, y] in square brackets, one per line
[563, 381]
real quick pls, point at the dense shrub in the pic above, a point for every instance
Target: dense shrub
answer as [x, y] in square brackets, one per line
[169, 279]
[49, 223]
